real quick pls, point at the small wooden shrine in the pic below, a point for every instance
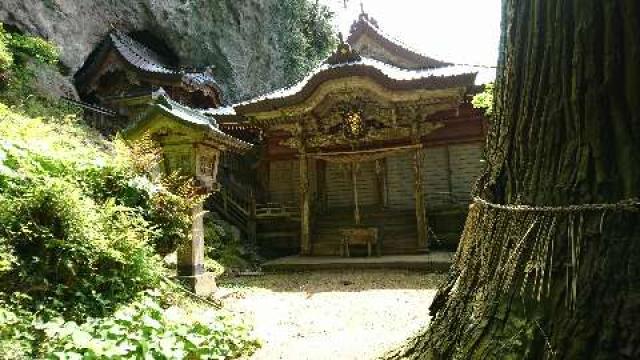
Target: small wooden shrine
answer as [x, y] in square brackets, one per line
[121, 66]
[362, 146]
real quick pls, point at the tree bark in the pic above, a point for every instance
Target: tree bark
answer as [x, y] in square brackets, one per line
[562, 282]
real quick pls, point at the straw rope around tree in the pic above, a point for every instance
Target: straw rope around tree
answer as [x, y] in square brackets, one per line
[509, 252]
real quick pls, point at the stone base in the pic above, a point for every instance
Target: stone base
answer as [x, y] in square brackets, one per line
[202, 285]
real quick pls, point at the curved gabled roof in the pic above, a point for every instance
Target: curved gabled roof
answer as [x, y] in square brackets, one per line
[389, 76]
[139, 55]
[142, 59]
[365, 25]
[188, 116]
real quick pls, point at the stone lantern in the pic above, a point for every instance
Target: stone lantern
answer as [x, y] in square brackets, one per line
[192, 144]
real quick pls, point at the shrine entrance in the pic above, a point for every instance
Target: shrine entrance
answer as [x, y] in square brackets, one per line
[353, 195]
[341, 189]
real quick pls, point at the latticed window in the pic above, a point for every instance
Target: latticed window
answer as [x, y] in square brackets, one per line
[206, 165]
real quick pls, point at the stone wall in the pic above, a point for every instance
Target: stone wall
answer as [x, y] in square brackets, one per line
[234, 36]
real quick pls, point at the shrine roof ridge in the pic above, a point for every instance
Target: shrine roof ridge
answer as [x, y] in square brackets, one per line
[144, 59]
[139, 55]
[364, 25]
[193, 117]
[389, 75]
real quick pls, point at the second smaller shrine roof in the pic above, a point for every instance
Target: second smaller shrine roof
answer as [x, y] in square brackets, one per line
[143, 59]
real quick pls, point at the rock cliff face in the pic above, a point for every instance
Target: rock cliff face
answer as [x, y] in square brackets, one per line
[233, 35]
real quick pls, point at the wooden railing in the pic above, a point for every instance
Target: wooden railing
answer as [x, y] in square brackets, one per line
[237, 205]
[277, 210]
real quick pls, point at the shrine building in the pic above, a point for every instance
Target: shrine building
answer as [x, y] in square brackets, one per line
[378, 137]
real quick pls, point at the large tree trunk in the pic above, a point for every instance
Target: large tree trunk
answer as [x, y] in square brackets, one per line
[551, 280]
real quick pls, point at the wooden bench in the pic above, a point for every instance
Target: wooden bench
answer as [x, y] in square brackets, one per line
[359, 236]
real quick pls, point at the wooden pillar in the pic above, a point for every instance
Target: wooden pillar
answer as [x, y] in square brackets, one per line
[421, 218]
[354, 184]
[447, 153]
[305, 228]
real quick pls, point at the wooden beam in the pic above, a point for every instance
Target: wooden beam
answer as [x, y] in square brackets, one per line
[447, 153]
[367, 151]
[251, 219]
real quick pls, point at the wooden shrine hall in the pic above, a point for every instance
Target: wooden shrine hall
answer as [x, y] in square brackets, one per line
[361, 146]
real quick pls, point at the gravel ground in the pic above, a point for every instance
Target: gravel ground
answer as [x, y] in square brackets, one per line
[331, 314]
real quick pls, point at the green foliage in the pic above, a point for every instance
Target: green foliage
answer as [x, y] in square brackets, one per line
[83, 215]
[16, 333]
[32, 47]
[225, 249]
[304, 28]
[19, 56]
[147, 328]
[79, 221]
[6, 58]
[484, 100]
[63, 243]
[82, 221]
[67, 245]
[172, 211]
[144, 329]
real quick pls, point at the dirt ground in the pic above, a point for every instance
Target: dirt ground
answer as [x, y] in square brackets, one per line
[331, 314]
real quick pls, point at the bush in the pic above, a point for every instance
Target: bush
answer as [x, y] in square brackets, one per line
[18, 48]
[6, 58]
[224, 248]
[65, 244]
[32, 47]
[171, 210]
[147, 328]
[484, 100]
[78, 221]
[144, 329]
[20, 56]
[80, 218]
[16, 328]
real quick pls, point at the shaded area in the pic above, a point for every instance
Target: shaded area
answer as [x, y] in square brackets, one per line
[331, 281]
[432, 262]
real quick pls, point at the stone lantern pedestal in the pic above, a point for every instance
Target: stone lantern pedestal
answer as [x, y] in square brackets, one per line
[191, 269]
